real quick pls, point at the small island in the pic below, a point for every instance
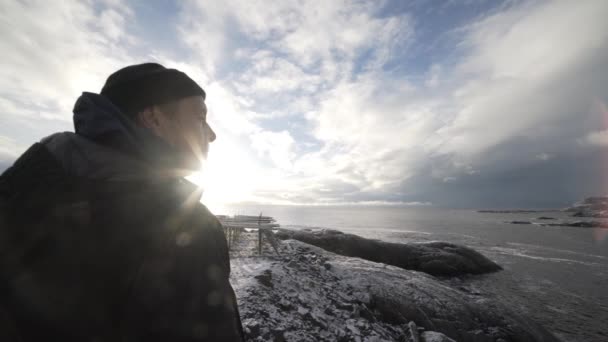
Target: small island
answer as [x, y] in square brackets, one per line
[590, 208]
[595, 207]
[512, 211]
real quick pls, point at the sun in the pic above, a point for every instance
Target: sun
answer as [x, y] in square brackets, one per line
[227, 176]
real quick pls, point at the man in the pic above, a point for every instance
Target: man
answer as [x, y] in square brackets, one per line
[101, 238]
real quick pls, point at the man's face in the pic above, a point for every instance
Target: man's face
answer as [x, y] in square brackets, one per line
[183, 125]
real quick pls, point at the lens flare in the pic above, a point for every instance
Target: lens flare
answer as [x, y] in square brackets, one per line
[600, 234]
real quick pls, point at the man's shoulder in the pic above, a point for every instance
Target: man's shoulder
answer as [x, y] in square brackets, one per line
[203, 218]
[209, 217]
[36, 166]
[39, 152]
[38, 162]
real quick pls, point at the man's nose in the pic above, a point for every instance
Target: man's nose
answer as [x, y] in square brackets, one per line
[210, 133]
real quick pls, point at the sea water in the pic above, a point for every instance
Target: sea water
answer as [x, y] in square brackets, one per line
[556, 275]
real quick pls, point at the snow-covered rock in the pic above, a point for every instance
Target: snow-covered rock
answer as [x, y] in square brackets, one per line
[309, 294]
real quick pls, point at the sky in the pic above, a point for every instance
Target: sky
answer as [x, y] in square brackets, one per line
[471, 103]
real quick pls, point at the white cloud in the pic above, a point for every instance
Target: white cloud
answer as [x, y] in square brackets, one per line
[330, 33]
[278, 146]
[112, 23]
[52, 53]
[529, 68]
[310, 49]
[9, 148]
[433, 77]
[536, 39]
[521, 79]
[275, 75]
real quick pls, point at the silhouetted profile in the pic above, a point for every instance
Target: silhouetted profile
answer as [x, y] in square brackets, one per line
[101, 238]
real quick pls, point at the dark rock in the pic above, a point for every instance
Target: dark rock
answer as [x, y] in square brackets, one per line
[345, 306]
[344, 339]
[265, 278]
[579, 224]
[520, 222]
[438, 267]
[545, 218]
[583, 224]
[278, 335]
[515, 211]
[364, 312]
[436, 258]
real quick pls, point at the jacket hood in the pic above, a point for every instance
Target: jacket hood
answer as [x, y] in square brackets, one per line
[95, 116]
[97, 119]
[107, 144]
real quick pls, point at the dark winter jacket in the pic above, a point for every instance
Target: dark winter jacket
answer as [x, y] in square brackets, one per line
[99, 243]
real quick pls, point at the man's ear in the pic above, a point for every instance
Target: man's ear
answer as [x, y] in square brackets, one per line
[148, 118]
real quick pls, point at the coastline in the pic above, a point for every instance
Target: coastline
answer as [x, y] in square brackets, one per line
[309, 294]
[540, 263]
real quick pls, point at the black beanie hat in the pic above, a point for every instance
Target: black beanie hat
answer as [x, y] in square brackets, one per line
[136, 87]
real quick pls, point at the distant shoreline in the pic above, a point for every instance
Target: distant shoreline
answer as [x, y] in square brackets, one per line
[517, 211]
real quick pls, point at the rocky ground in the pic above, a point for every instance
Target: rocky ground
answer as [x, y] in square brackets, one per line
[309, 294]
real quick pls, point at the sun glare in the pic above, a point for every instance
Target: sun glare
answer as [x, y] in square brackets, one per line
[228, 176]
